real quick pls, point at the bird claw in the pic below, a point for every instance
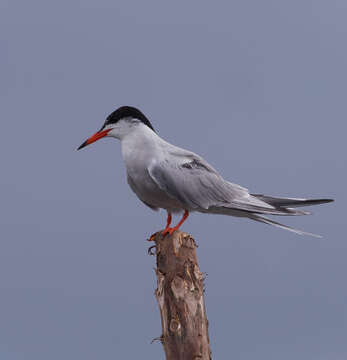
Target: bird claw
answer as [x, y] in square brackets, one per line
[152, 237]
[169, 231]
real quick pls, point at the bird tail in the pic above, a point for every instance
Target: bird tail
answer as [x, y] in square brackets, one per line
[268, 221]
[278, 206]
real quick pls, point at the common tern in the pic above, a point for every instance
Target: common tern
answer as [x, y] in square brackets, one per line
[164, 176]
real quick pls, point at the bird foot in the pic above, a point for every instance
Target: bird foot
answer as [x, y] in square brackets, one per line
[152, 237]
[169, 231]
[166, 231]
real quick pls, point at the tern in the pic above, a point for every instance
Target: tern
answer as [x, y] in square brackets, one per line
[164, 176]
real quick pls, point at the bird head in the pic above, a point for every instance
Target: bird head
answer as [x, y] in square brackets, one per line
[118, 124]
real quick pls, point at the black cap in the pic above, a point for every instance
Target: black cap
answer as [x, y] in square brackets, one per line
[127, 111]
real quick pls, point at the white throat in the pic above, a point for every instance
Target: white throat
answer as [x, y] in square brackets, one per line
[141, 142]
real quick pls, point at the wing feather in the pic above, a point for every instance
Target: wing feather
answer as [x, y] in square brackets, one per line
[196, 185]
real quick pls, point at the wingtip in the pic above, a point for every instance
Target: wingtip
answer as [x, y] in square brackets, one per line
[321, 201]
[329, 200]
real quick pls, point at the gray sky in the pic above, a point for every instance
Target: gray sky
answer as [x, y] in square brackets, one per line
[258, 88]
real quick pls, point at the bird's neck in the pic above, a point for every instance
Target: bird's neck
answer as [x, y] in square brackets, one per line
[140, 143]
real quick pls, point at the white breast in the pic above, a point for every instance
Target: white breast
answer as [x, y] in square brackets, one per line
[139, 149]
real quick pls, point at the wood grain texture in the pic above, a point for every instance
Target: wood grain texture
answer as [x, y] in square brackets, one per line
[180, 296]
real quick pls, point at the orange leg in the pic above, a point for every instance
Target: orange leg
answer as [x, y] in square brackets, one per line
[167, 228]
[184, 218]
[168, 222]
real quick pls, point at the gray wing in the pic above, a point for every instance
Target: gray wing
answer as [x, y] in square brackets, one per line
[189, 179]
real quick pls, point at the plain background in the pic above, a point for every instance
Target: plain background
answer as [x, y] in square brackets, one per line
[258, 88]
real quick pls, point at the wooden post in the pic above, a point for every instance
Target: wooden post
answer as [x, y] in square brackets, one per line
[180, 296]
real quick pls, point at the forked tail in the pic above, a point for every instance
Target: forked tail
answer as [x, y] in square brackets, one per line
[268, 221]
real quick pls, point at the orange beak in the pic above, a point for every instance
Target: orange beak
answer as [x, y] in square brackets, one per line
[95, 137]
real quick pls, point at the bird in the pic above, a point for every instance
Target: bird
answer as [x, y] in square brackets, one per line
[165, 176]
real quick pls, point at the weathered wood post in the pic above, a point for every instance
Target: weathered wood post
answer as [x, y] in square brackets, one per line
[180, 296]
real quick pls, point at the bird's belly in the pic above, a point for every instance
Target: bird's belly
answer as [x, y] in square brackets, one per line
[149, 192]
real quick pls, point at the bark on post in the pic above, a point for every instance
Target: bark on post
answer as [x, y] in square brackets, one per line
[180, 296]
